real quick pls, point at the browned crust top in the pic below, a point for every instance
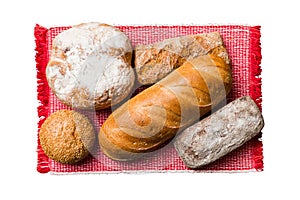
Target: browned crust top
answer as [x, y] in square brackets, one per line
[67, 136]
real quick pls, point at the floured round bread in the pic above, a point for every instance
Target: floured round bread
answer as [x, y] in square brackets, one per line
[90, 66]
[67, 136]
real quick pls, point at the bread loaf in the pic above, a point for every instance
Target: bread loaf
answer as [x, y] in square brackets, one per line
[154, 61]
[153, 117]
[90, 66]
[222, 132]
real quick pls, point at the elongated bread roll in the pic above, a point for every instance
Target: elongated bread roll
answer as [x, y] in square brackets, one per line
[153, 117]
[155, 61]
[220, 133]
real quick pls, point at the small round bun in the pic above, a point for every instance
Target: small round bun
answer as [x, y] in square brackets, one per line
[67, 136]
[90, 66]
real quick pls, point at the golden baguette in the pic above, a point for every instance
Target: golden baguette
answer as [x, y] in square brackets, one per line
[153, 117]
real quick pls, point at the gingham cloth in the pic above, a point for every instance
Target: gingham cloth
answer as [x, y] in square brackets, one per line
[243, 46]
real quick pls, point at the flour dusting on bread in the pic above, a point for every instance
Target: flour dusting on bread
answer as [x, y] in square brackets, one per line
[90, 60]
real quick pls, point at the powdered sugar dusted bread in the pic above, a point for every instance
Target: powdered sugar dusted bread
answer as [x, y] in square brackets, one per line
[155, 61]
[90, 66]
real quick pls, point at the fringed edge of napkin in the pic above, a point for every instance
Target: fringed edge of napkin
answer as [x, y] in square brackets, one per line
[40, 34]
[255, 88]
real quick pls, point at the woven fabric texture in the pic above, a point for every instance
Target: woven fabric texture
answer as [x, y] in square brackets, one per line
[243, 45]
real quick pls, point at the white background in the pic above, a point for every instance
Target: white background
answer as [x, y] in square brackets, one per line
[280, 50]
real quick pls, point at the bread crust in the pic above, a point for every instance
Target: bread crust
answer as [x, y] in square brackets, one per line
[153, 117]
[220, 133]
[155, 61]
[90, 66]
[67, 136]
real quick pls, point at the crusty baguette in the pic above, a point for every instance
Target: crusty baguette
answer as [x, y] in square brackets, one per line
[155, 61]
[153, 117]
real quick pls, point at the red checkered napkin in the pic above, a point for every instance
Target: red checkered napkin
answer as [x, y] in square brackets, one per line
[243, 45]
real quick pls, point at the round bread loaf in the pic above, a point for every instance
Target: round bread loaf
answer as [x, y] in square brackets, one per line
[90, 66]
[67, 136]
